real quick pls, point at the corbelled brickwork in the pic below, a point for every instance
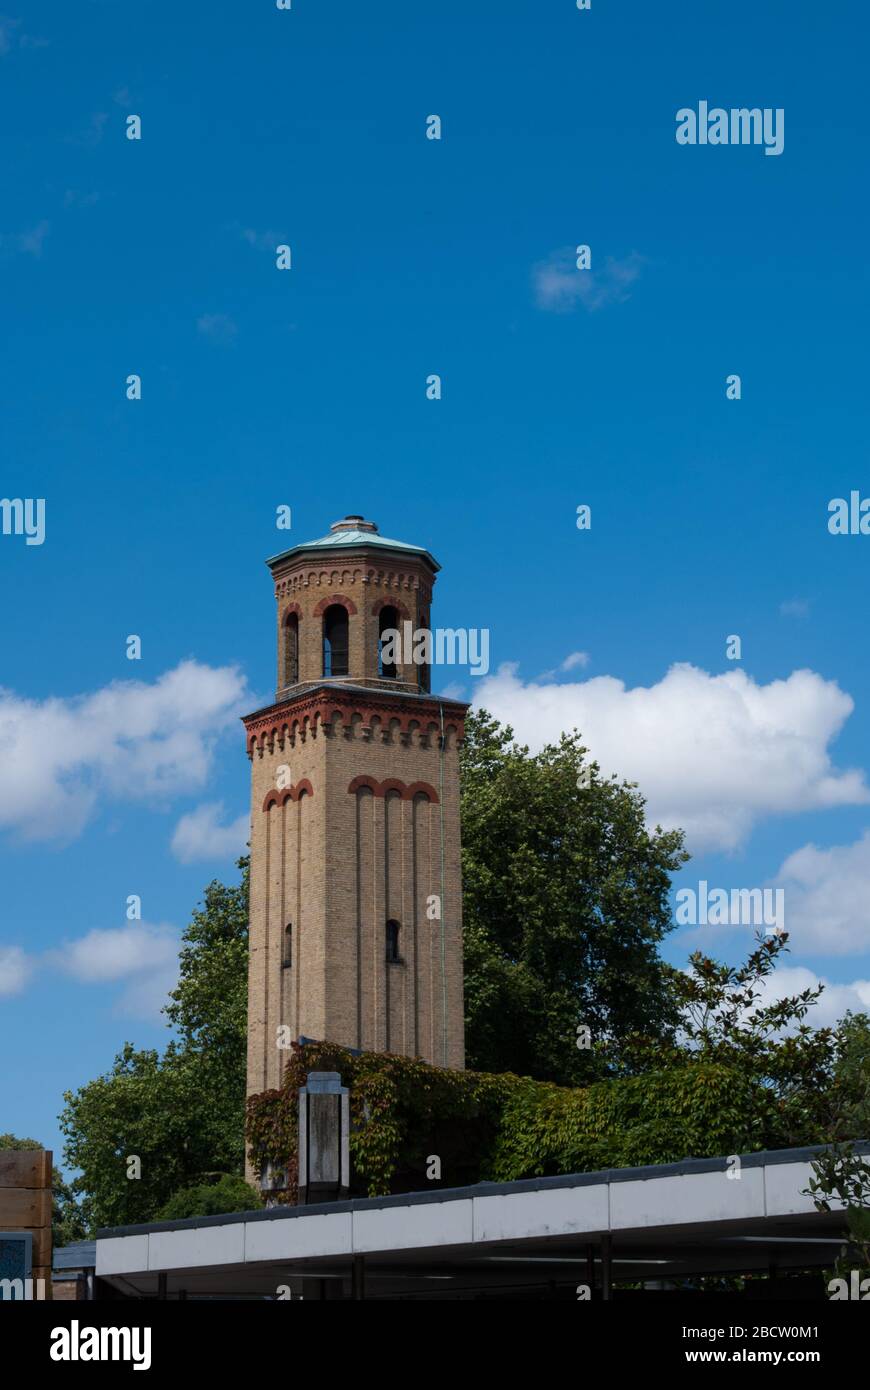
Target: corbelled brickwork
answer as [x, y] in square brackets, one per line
[354, 825]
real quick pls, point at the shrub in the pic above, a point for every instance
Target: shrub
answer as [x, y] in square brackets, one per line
[228, 1193]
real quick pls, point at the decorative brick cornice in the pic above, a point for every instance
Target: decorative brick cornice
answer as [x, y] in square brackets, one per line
[337, 576]
[321, 709]
[392, 784]
[280, 798]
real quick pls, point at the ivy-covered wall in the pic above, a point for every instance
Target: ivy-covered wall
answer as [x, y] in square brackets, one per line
[501, 1127]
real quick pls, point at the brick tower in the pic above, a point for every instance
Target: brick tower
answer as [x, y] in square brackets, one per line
[355, 915]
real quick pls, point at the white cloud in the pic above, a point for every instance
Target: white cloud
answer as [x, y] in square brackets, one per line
[572, 662]
[713, 754]
[146, 996]
[16, 968]
[144, 956]
[794, 608]
[560, 286]
[827, 897]
[61, 758]
[200, 835]
[117, 952]
[787, 980]
[218, 328]
[453, 690]
[261, 241]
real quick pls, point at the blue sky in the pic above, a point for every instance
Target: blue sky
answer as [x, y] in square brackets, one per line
[307, 388]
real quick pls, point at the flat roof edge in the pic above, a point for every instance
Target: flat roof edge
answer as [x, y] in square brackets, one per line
[682, 1168]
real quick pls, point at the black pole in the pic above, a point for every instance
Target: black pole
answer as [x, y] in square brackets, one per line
[606, 1268]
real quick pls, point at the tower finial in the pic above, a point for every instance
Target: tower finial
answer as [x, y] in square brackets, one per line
[352, 522]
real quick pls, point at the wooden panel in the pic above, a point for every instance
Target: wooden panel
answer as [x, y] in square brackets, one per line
[24, 1207]
[42, 1245]
[25, 1168]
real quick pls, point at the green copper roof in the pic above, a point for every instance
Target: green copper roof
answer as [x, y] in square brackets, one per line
[355, 531]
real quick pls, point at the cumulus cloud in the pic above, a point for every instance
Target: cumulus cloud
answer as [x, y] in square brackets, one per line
[572, 662]
[788, 980]
[200, 834]
[61, 758]
[142, 956]
[560, 286]
[827, 897]
[713, 754]
[16, 968]
[117, 952]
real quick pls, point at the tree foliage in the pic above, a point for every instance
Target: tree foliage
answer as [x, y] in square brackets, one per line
[227, 1193]
[565, 903]
[182, 1113]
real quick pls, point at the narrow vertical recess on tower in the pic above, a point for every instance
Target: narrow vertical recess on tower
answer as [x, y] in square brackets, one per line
[359, 924]
[266, 961]
[302, 819]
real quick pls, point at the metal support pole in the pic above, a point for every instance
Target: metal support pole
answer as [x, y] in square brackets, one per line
[358, 1277]
[161, 1286]
[606, 1268]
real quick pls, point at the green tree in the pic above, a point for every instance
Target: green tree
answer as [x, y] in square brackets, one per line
[565, 902]
[724, 1021]
[182, 1114]
[228, 1193]
[841, 1179]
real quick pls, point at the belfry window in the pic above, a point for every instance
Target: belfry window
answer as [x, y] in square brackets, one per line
[288, 945]
[388, 621]
[335, 641]
[291, 649]
[393, 957]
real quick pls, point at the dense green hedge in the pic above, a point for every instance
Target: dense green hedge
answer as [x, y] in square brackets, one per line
[501, 1127]
[226, 1192]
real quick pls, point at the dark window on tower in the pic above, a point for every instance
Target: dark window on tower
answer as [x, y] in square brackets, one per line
[291, 649]
[393, 943]
[387, 622]
[335, 641]
[426, 668]
[288, 945]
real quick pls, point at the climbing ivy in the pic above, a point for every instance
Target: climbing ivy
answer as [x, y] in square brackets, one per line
[501, 1127]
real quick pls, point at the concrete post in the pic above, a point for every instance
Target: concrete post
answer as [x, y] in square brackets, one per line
[324, 1138]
